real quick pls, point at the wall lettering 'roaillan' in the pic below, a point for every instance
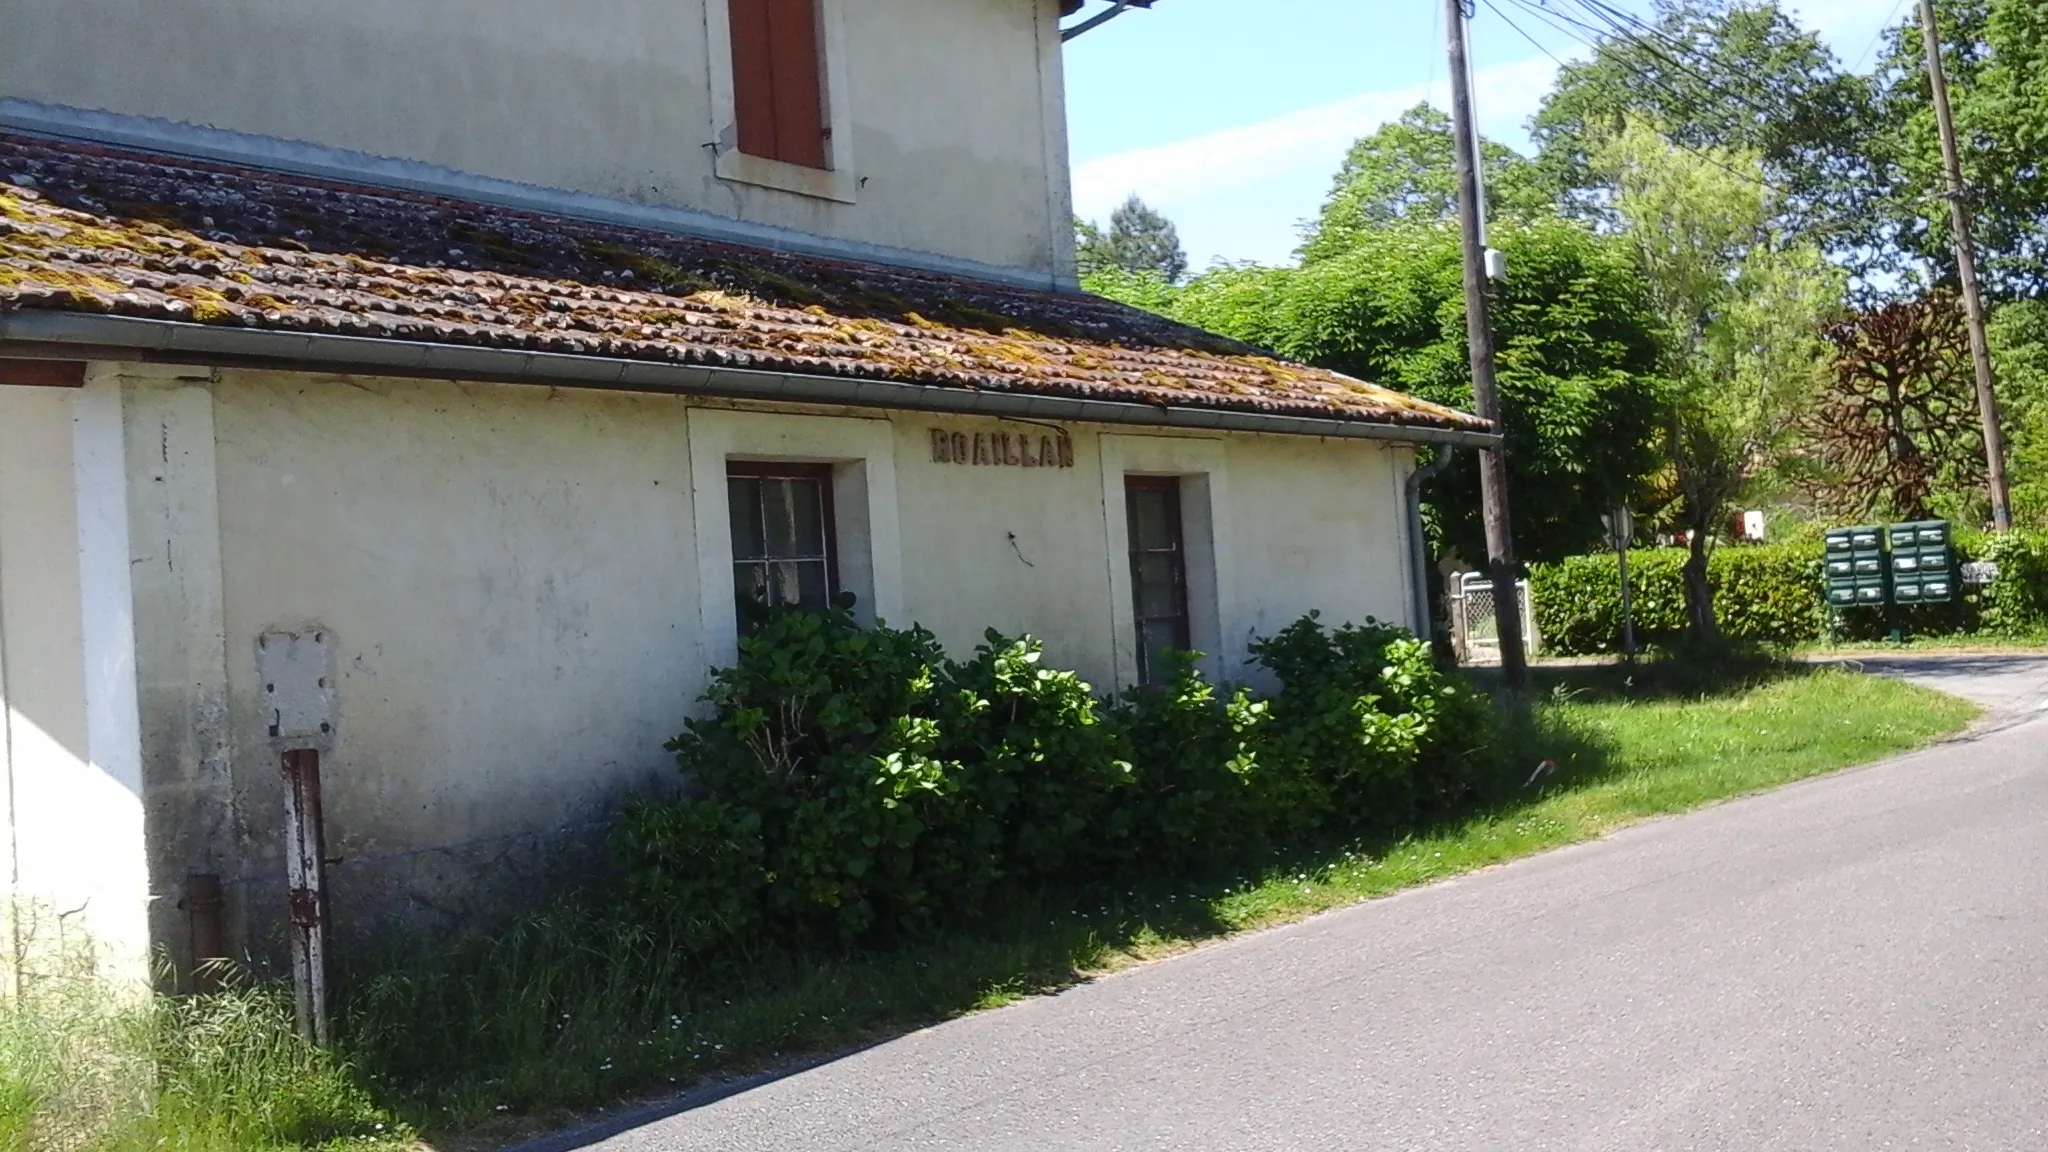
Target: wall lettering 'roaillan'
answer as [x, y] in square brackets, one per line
[1003, 449]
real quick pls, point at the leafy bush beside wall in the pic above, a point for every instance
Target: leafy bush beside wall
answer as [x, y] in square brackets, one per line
[1769, 593]
[2016, 602]
[854, 785]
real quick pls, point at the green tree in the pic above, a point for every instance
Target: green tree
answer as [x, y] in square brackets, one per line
[1740, 307]
[1995, 53]
[1138, 240]
[1406, 172]
[2019, 343]
[1578, 358]
[1737, 74]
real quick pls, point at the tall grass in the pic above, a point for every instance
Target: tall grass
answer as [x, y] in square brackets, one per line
[90, 1065]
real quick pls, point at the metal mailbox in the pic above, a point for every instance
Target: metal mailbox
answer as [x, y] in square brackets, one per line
[1911, 563]
[1922, 562]
[1855, 566]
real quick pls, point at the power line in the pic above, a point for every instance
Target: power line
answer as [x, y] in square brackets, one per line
[1616, 24]
[1505, 19]
[1751, 177]
[1882, 26]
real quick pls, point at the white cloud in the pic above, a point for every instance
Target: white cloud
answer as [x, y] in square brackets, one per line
[1310, 140]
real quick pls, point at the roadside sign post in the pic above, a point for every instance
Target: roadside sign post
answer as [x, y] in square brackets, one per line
[1621, 529]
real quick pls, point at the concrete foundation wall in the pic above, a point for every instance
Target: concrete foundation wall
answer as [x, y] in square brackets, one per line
[525, 588]
[947, 115]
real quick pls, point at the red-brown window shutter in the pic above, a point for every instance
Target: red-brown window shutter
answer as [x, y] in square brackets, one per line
[777, 92]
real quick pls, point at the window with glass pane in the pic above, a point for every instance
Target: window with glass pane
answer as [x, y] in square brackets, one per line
[782, 548]
[1159, 576]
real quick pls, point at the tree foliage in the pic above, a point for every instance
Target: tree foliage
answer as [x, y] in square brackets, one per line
[1138, 240]
[1995, 54]
[1577, 355]
[1899, 416]
[2019, 346]
[1736, 75]
[1745, 183]
[1406, 173]
[1739, 307]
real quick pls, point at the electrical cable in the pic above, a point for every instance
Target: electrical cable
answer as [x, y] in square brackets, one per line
[1535, 9]
[1616, 26]
[1883, 26]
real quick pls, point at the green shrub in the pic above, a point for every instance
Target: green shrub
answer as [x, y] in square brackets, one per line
[1365, 716]
[694, 867]
[852, 786]
[821, 744]
[1201, 792]
[1040, 768]
[1769, 593]
[2015, 603]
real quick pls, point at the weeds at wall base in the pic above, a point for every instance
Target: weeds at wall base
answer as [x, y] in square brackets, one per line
[88, 1064]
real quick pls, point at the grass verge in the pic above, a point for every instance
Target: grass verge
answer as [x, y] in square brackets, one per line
[572, 1010]
[1965, 644]
[87, 1066]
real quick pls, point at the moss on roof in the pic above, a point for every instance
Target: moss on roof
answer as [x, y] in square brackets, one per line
[88, 228]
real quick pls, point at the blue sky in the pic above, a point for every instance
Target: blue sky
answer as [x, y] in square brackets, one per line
[1230, 116]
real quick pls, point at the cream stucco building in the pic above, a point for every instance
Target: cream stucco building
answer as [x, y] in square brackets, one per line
[437, 386]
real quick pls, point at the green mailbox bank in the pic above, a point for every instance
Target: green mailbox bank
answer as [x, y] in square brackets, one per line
[1923, 563]
[1856, 568]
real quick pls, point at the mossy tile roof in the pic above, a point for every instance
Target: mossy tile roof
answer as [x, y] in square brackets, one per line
[85, 228]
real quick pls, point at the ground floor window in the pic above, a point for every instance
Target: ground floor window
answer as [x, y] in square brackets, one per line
[783, 552]
[1159, 573]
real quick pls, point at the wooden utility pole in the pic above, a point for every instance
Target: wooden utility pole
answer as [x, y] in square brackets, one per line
[1493, 465]
[1966, 269]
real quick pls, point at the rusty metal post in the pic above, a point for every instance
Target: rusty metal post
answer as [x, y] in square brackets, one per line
[305, 874]
[204, 902]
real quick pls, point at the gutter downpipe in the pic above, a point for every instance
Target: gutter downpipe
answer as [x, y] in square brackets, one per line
[89, 336]
[1418, 546]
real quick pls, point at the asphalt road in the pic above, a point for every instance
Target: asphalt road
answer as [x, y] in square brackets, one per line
[1857, 962]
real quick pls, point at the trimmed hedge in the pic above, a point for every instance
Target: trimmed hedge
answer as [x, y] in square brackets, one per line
[1775, 594]
[1770, 593]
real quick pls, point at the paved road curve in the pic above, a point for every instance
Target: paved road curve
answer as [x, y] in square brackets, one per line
[1858, 963]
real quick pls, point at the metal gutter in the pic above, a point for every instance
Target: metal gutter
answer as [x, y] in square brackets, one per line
[78, 335]
[1116, 9]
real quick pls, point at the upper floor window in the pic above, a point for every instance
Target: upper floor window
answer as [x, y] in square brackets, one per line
[778, 80]
[783, 553]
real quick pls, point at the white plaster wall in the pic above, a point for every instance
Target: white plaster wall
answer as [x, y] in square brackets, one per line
[955, 105]
[69, 744]
[1011, 548]
[1317, 524]
[510, 575]
[528, 586]
[180, 640]
[1276, 526]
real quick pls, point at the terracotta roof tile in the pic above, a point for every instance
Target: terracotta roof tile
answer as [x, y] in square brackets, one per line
[87, 228]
